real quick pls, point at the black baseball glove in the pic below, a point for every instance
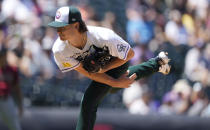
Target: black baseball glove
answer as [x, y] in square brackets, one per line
[95, 59]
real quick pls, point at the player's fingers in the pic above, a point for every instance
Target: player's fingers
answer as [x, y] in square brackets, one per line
[133, 76]
[126, 73]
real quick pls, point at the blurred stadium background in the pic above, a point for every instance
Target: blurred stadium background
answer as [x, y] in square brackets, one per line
[179, 100]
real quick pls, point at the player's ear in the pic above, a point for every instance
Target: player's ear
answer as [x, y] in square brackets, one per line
[76, 25]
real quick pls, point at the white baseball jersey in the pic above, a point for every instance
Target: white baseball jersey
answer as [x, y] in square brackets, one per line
[65, 54]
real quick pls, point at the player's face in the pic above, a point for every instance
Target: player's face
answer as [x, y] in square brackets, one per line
[67, 32]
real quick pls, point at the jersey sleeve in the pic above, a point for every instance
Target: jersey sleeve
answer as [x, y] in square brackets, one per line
[65, 64]
[118, 47]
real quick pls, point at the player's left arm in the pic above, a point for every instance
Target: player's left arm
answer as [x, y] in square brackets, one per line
[116, 62]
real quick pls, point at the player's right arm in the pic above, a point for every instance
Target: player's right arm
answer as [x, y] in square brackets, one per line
[121, 82]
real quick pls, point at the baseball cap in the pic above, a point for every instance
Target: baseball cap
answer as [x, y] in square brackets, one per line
[66, 15]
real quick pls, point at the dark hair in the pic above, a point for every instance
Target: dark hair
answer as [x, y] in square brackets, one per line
[82, 26]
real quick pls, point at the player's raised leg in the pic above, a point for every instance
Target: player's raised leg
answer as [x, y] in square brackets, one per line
[157, 64]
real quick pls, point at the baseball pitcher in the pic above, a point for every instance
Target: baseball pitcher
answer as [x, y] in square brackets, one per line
[99, 54]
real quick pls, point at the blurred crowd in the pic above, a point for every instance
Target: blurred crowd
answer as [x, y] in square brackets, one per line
[180, 27]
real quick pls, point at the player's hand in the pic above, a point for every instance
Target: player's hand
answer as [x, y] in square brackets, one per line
[124, 81]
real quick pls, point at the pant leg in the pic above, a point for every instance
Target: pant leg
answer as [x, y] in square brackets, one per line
[9, 114]
[145, 69]
[97, 91]
[92, 98]
[89, 104]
